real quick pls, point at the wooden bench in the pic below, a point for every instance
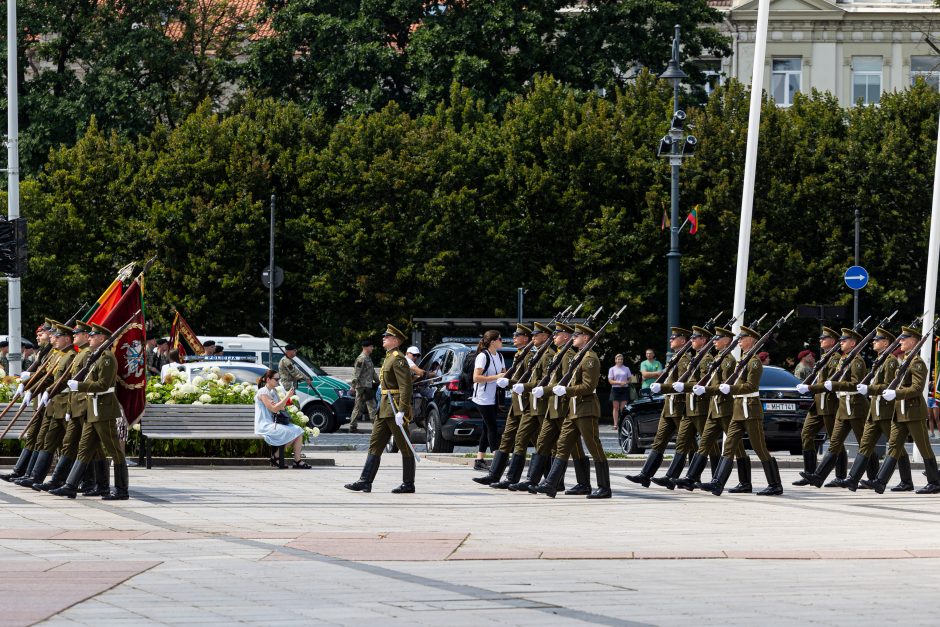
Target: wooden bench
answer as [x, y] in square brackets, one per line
[195, 422]
[21, 422]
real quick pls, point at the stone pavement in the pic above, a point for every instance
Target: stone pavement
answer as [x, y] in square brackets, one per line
[204, 545]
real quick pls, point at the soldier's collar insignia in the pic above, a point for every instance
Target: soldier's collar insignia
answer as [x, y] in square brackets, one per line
[394, 353]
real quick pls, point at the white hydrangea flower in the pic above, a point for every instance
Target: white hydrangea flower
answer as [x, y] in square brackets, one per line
[215, 370]
[205, 398]
[196, 403]
[211, 376]
[305, 420]
[188, 388]
[198, 380]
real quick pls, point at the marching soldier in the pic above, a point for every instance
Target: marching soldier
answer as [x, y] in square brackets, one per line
[747, 418]
[394, 414]
[671, 416]
[822, 413]
[720, 409]
[910, 418]
[879, 419]
[364, 383]
[852, 408]
[102, 411]
[288, 370]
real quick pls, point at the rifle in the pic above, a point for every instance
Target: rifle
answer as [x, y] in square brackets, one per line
[693, 365]
[520, 358]
[587, 347]
[45, 349]
[883, 356]
[828, 355]
[841, 372]
[915, 352]
[716, 363]
[756, 348]
[526, 375]
[682, 351]
[556, 360]
[60, 383]
[284, 352]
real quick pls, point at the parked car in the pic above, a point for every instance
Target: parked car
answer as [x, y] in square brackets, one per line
[784, 412]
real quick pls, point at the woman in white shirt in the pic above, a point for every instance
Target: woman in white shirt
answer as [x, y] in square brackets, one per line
[488, 366]
[267, 405]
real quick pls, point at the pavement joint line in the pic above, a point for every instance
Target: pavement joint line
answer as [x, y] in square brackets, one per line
[13, 500]
[96, 594]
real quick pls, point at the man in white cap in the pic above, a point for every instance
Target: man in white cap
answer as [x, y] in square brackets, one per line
[412, 355]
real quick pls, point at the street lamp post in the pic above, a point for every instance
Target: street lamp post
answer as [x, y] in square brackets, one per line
[675, 146]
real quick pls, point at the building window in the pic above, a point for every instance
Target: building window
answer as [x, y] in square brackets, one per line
[866, 80]
[927, 68]
[785, 79]
[711, 69]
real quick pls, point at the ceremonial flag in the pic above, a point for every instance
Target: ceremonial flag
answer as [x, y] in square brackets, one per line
[130, 350]
[183, 338]
[693, 220]
[105, 303]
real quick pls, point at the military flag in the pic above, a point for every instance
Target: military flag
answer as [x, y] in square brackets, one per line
[130, 350]
[693, 220]
[109, 298]
[183, 338]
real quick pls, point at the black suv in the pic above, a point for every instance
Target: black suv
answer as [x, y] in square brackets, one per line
[444, 415]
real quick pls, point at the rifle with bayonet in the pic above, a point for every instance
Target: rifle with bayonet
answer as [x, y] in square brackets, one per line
[828, 355]
[699, 356]
[858, 348]
[672, 363]
[520, 360]
[528, 373]
[587, 347]
[883, 356]
[716, 363]
[557, 358]
[739, 369]
[911, 356]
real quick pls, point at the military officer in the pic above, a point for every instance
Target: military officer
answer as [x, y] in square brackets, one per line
[288, 370]
[720, 409]
[394, 414]
[852, 407]
[364, 383]
[102, 413]
[747, 418]
[518, 408]
[583, 415]
[673, 409]
[879, 418]
[822, 413]
[910, 418]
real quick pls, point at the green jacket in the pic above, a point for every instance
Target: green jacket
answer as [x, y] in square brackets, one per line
[557, 407]
[99, 384]
[880, 408]
[694, 406]
[673, 402]
[911, 405]
[519, 402]
[746, 392]
[395, 377]
[825, 402]
[538, 373]
[78, 401]
[852, 405]
[720, 405]
[59, 403]
[582, 389]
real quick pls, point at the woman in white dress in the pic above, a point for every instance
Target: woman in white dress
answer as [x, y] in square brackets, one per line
[267, 405]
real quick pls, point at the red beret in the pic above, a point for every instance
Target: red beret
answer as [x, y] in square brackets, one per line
[803, 354]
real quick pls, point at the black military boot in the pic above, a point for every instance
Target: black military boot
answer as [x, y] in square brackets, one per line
[884, 474]
[59, 475]
[19, 468]
[369, 470]
[102, 470]
[809, 466]
[497, 466]
[39, 472]
[713, 461]
[653, 461]
[694, 474]
[516, 464]
[407, 476]
[717, 485]
[933, 477]
[822, 471]
[70, 489]
[88, 480]
[744, 477]
[582, 473]
[602, 470]
[904, 472]
[859, 466]
[121, 485]
[675, 470]
[772, 472]
[842, 469]
[534, 475]
[554, 477]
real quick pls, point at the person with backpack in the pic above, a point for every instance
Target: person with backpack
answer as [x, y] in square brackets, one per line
[488, 366]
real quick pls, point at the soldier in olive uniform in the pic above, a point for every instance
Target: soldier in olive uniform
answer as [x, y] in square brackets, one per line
[822, 413]
[52, 431]
[673, 409]
[395, 379]
[748, 418]
[102, 413]
[852, 407]
[531, 424]
[364, 384]
[720, 409]
[583, 415]
[518, 409]
[879, 419]
[288, 370]
[910, 418]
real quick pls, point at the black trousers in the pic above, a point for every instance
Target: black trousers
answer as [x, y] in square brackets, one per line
[490, 435]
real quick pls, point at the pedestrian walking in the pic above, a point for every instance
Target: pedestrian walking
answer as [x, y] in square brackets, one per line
[488, 366]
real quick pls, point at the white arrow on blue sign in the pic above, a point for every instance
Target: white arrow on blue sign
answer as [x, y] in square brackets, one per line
[856, 277]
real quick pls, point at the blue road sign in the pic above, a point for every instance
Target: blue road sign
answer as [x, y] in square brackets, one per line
[856, 277]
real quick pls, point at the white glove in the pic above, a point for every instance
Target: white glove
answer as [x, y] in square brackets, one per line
[862, 389]
[73, 385]
[518, 388]
[44, 399]
[890, 395]
[678, 386]
[698, 390]
[502, 382]
[68, 417]
[24, 376]
[656, 388]
[558, 390]
[27, 396]
[725, 388]
[802, 388]
[400, 419]
[828, 385]
[19, 391]
[538, 392]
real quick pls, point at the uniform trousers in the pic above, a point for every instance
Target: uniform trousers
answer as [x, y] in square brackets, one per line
[508, 439]
[754, 428]
[385, 429]
[529, 428]
[55, 434]
[708, 442]
[841, 429]
[365, 404]
[98, 434]
[874, 429]
[918, 432]
[549, 436]
[668, 426]
[811, 426]
[573, 431]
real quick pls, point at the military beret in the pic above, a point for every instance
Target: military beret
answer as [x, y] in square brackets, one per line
[701, 332]
[850, 334]
[392, 331]
[540, 328]
[561, 327]
[61, 329]
[290, 347]
[883, 334]
[804, 353]
[97, 329]
[583, 329]
[748, 332]
[910, 332]
[366, 343]
[680, 332]
[522, 329]
[723, 332]
[830, 333]
[81, 327]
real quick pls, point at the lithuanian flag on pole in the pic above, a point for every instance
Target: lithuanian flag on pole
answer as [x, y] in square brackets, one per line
[109, 298]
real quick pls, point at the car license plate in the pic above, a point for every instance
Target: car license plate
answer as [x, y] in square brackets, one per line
[779, 406]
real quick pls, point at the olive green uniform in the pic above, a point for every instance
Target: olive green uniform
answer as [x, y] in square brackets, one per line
[77, 408]
[910, 413]
[852, 406]
[58, 404]
[557, 412]
[35, 432]
[720, 409]
[822, 414]
[102, 411]
[395, 379]
[531, 424]
[363, 381]
[881, 411]
[696, 413]
[748, 415]
[518, 406]
[673, 406]
[584, 410]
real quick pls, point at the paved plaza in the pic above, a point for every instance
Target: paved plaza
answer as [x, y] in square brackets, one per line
[204, 545]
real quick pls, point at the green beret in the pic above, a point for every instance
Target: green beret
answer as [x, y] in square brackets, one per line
[583, 329]
[723, 332]
[849, 334]
[830, 333]
[701, 332]
[391, 330]
[541, 328]
[748, 332]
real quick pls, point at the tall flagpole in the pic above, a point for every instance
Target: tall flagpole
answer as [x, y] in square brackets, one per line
[750, 160]
[13, 187]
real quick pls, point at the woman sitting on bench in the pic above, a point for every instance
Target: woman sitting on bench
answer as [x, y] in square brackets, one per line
[270, 419]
